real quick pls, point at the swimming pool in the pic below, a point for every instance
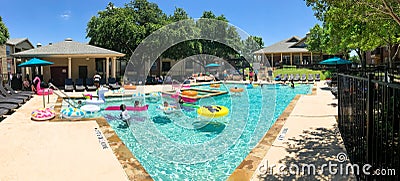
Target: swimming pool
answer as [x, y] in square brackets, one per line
[184, 146]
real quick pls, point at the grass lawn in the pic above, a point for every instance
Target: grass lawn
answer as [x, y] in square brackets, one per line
[300, 71]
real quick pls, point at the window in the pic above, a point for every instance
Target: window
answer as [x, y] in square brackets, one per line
[99, 64]
[166, 66]
[154, 66]
[8, 50]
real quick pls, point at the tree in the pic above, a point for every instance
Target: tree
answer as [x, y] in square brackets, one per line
[4, 35]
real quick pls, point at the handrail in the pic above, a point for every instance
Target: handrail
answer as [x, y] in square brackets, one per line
[69, 100]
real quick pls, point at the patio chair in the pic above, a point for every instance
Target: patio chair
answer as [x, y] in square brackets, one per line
[79, 87]
[8, 95]
[90, 84]
[278, 77]
[317, 77]
[103, 82]
[69, 85]
[284, 78]
[303, 77]
[112, 83]
[296, 78]
[310, 78]
[291, 77]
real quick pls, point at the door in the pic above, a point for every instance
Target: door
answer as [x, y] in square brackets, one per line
[83, 72]
[59, 74]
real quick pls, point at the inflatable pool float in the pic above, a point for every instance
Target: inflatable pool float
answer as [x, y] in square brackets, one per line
[90, 108]
[130, 87]
[153, 97]
[129, 108]
[88, 96]
[167, 110]
[39, 90]
[72, 113]
[138, 95]
[94, 102]
[213, 111]
[185, 86]
[235, 89]
[43, 114]
[189, 93]
[215, 85]
[190, 105]
[189, 100]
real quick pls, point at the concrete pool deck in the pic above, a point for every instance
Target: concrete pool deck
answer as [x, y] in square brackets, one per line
[53, 150]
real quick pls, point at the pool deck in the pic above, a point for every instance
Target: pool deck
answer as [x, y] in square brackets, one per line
[33, 150]
[311, 137]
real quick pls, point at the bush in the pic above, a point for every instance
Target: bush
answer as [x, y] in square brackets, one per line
[327, 74]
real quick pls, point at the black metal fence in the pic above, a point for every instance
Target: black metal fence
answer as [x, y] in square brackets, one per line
[369, 116]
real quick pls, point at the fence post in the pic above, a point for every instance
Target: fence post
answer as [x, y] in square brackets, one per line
[370, 123]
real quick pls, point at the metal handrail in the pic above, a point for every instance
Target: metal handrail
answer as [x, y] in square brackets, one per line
[69, 100]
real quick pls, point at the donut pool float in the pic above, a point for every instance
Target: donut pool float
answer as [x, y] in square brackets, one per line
[235, 89]
[154, 97]
[90, 108]
[213, 111]
[215, 85]
[43, 114]
[190, 93]
[72, 113]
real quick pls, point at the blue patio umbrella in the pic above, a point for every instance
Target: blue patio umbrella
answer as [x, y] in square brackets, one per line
[212, 65]
[335, 61]
[35, 62]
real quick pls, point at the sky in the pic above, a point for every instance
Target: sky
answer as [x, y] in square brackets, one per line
[51, 21]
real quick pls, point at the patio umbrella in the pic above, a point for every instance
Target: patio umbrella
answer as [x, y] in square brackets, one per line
[212, 65]
[35, 62]
[335, 61]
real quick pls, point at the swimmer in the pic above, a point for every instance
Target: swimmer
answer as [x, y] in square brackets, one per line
[136, 104]
[124, 113]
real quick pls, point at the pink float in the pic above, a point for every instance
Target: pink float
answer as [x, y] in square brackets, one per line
[40, 91]
[189, 100]
[43, 114]
[129, 108]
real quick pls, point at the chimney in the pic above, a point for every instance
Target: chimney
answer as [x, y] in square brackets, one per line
[38, 45]
[50, 43]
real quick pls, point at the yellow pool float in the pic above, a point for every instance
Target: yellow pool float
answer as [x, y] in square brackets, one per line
[213, 111]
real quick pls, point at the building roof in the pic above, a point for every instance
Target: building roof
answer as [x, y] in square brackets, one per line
[290, 45]
[16, 41]
[68, 48]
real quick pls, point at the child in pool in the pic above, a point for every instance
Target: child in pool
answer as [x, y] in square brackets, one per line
[124, 113]
[79, 104]
[136, 104]
[167, 105]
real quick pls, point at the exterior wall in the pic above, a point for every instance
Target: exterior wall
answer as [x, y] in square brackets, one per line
[75, 63]
[3, 59]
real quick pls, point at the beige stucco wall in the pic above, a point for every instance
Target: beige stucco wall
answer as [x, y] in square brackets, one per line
[3, 59]
[75, 62]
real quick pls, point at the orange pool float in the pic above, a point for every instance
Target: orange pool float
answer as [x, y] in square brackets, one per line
[190, 93]
[215, 85]
[235, 89]
[129, 87]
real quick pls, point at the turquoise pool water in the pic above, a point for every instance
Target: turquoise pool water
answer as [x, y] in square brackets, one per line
[185, 146]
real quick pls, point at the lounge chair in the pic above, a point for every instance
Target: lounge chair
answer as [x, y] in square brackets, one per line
[3, 111]
[310, 78]
[5, 93]
[303, 77]
[284, 78]
[317, 77]
[79, 87]
[297, 77]
[69, 85]
[90, 84]
[278, 77]
[112, 83]
[103, 82]
[291, 77]
[11, 100]
[9, 88]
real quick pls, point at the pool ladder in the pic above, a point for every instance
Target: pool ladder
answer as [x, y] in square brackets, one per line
[69, 100]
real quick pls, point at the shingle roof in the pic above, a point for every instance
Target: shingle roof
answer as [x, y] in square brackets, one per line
[15, 41]
[67, 47]
[284, 46]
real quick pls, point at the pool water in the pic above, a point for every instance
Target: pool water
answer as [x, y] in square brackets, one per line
[185, 146]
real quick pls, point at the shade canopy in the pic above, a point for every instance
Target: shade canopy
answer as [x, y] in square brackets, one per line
[212, 65]
[35, 62]
[335, 61]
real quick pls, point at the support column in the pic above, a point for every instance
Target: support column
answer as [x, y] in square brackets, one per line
[311, 58]
[107, 68]
[15, 65]
[272, 60]
[281, 58]
[114, 67]
[69, 68]
[301, 58]
[291, 58]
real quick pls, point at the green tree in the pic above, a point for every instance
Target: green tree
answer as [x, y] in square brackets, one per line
[4, 35]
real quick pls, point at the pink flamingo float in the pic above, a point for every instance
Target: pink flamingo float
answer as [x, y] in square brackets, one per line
[40, 91]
